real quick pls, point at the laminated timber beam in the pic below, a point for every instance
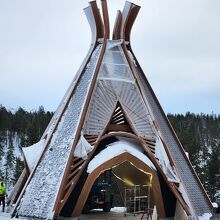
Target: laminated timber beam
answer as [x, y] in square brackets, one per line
[142, 79]
[62, 196]
[151, 156]
[124, 21]
[127, 19]
[95, 21]
[113, 162]
[118, 127]
[127, 47]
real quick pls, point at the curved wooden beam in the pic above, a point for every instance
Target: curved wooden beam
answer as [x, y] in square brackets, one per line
[128, 47]
[113, 162]
[58, 206]
[117, 26]
[140, 140]
[125, 15]
[99, 33]
[105, 19]
[131, 19]
[96, 25]
[124, 21]
[95, 21]
[152, 158]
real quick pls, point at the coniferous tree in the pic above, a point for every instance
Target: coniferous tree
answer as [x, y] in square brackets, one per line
[200, 136]
[28, 127]
[213, 171]
[19, 166]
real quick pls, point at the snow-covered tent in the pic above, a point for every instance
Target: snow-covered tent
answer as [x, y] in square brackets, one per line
[109, 115]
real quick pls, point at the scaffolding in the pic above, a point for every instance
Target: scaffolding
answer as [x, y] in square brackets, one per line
[137, 199]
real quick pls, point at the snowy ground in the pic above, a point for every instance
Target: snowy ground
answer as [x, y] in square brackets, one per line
[6, 216]
[116, 213]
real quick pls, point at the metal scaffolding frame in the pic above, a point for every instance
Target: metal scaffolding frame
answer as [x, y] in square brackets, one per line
[137, 199]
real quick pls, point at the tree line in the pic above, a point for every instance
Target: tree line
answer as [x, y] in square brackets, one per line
[18, 129]
[199, 134]
[29, 125]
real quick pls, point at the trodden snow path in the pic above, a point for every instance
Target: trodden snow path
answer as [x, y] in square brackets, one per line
[116, 213]
[6, 216]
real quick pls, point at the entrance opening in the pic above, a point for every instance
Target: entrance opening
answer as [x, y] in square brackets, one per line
[124, 186]
[102, 194]
[120, 174]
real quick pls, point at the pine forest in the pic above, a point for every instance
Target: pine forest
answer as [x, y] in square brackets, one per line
[198, 133]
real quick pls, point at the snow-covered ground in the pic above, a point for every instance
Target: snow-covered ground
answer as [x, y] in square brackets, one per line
[205, 216]
[6, 216]
[119, 210]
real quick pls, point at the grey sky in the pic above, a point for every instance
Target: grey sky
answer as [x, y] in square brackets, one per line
[43, 43]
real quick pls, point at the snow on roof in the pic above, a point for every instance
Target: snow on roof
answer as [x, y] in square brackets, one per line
[164, 162]
[205, 216]
[82, 148]
[186, 198]
[33, 152]
[119, 147]
[215, 205]
[40, 195]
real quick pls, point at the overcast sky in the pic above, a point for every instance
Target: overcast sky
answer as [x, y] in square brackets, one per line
[177, 42]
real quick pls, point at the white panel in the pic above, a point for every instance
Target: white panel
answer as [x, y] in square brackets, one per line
[116, 82]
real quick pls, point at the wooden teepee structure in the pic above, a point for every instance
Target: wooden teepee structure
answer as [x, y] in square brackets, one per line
[109, 98]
